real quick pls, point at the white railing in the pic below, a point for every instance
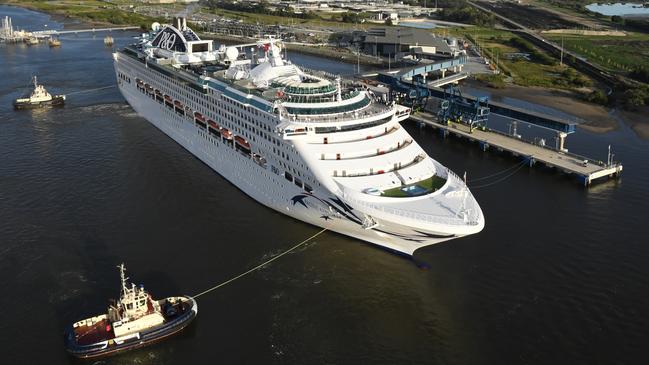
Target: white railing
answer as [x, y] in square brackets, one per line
[342, 117]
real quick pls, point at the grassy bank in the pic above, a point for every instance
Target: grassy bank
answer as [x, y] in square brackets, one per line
[617, 54]
[541, 70]
[91, 11]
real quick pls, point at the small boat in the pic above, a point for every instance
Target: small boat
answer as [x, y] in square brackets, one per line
[31, 41]
[54, 42]
[135, 320]
[108, 40]
[39, 98]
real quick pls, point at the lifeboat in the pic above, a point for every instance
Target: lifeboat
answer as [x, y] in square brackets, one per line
[242, 142]
[149, 88]
[158, 95]
[200, 119]
[179, 107]
[242, 145]
[212, 124]
[168, 101]
[226, 133]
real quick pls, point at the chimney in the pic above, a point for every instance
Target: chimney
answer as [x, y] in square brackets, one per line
[184, 23]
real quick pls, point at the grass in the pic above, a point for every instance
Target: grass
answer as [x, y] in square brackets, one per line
[617, 54]
[253, 18]
[542, 71]
[429, 185]
[91, 10]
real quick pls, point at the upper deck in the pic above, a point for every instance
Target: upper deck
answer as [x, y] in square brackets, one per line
[259, 76]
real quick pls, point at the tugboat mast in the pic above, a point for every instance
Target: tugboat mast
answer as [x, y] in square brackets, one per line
[122, 273]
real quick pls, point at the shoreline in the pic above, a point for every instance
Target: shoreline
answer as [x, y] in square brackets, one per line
[597, 118]
[322, 51]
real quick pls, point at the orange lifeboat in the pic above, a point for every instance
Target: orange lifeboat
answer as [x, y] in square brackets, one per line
[199, 117]
[212, 124]
[226, 133]
[242, 142]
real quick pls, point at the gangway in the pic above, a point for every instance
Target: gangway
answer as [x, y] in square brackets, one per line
[454, 107]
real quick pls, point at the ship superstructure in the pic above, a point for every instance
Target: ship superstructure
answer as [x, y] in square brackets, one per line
[308, 144]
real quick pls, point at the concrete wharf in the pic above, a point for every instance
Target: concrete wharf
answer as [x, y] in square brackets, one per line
[587, 170]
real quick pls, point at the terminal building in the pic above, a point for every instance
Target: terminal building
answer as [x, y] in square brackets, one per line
[388, 41]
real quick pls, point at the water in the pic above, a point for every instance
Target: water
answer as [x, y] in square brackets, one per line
[559, 274]
[420, 25]
[618, 9]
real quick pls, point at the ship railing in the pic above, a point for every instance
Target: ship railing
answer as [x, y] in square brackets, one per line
[458, 220]
[342, 117]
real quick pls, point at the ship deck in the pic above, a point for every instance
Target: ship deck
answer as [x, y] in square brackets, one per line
[98, 332]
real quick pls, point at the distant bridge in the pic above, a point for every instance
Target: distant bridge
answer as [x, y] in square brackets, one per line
[47, 33]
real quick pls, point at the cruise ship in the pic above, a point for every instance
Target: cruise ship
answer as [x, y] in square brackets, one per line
[305, 143]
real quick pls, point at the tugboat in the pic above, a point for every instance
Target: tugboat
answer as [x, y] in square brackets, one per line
[32, 41]
[135, 320]
[38, 98]
[54, 42]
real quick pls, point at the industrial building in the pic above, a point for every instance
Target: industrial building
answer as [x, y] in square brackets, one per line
[388, 41]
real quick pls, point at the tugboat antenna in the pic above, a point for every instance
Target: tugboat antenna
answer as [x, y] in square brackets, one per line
[122, 273]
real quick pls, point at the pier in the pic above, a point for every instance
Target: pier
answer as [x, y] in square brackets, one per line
[587, 170]
[10, 35]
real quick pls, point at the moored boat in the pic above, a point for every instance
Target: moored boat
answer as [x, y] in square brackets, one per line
[54, 42]
[135, 320]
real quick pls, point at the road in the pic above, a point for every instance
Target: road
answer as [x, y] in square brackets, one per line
[570, 58]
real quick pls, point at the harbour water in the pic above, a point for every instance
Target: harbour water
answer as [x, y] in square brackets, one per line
[559, 274]
[634, 9]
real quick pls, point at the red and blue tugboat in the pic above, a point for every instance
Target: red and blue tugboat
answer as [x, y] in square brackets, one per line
[135, 320]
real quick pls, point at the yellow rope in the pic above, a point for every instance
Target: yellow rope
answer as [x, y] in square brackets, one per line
[260, 265]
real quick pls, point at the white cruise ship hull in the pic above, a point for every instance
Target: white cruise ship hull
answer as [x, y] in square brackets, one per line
[319, 208]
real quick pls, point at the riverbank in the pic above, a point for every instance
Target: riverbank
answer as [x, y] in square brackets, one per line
[594, 118]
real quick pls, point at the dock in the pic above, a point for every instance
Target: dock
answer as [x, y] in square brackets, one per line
[587, 170]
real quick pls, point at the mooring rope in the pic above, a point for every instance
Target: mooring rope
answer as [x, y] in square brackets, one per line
[499, 180]
[259, 266]
[89, 90]
[498, 173]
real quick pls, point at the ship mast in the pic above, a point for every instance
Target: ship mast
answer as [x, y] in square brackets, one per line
[122, 273]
